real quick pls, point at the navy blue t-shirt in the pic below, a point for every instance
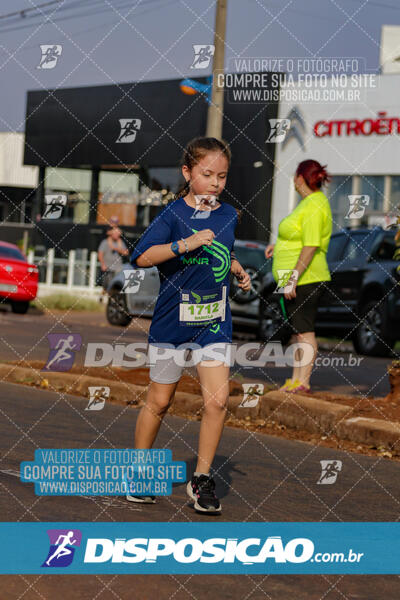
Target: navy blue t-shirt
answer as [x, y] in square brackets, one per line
[192, 305]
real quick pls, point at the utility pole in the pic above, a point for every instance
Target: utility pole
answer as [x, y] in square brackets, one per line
[216, 108]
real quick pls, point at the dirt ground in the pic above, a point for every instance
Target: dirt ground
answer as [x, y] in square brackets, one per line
[372, 407]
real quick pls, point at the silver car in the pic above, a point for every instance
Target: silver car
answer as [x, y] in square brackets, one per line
[133, 291]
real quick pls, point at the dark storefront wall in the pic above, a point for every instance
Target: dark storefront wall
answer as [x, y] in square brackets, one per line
[78, 127]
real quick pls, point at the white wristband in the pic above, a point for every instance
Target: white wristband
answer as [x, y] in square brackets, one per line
[186, 245]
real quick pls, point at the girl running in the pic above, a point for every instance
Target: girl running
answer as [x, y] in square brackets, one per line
[191, 243]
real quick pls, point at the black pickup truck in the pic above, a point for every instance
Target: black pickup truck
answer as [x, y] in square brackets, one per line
[361, 303]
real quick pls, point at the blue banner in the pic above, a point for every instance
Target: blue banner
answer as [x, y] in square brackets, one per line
[98, 472]
[205, 547]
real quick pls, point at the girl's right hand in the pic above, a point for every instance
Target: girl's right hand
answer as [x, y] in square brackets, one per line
[203, 237]
[269, 250]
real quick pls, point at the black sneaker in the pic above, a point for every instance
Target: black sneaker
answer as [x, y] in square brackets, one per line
[141, 499]
[201, 490]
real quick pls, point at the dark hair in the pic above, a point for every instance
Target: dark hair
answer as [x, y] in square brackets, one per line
[315, 175]
[195, 150]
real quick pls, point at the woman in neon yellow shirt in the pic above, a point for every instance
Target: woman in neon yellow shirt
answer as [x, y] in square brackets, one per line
[299, 264]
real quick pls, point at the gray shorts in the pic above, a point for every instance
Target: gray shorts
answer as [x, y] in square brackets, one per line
[167, 364]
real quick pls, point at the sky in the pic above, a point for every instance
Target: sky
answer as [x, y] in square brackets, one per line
[118, 41]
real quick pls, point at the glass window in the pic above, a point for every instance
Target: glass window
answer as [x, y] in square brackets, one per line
[118, 197]
[6, 252]
[163, 183]
[114, 182]
[76, 184]
[68, 180]
[337, 192]
[169, 178]
[395, 192]
[373, 186]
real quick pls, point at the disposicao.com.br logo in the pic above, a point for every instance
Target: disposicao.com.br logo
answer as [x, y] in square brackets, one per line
[188, 547]
[247, 551]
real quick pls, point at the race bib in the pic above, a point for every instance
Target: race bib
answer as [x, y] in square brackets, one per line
[202, 307]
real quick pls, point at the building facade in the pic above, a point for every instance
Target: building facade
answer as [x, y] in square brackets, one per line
[359, 142]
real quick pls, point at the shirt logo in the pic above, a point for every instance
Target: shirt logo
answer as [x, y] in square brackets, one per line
[215, 328]
[196, 297]
[220, 252]
[193, 260]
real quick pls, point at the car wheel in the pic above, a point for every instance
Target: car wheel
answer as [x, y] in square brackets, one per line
[241, 297]
[272, 325]
[368, 338]
[20, 307]
[117, 310]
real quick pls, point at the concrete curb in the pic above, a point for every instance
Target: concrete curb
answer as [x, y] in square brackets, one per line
[72, 383]
[304, 412]
[292, 410]
[370, 431]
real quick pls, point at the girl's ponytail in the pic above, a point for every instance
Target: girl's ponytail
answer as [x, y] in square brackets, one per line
[183, 190]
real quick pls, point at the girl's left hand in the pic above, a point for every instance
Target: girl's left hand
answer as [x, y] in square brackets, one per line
[244, 281]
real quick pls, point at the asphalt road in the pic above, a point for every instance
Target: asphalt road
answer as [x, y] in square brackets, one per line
[24, 336]
[259, 478]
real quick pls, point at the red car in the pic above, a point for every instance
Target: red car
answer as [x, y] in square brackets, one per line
[18, 279]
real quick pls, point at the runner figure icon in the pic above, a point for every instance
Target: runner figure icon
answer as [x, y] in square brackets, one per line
[51, 210]
[54, 206]
[203, 55]
[62, 550]
[330, 471]
[129, 129]
[50, 56]
[63, 347]
[278, 130]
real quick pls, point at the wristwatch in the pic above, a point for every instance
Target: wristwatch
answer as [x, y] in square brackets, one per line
[175, 248]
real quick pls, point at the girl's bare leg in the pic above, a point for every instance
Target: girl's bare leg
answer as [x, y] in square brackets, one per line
[215, 390]
[159, 397]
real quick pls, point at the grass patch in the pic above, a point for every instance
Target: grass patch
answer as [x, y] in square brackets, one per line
[68, 302]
